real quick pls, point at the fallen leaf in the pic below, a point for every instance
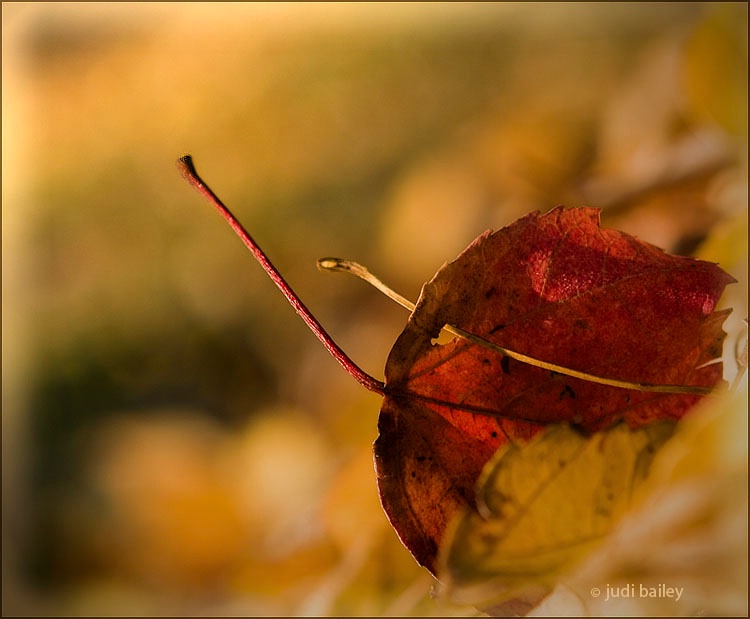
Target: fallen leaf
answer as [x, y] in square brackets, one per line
[542, 506]
[558, 288]
[687, 528]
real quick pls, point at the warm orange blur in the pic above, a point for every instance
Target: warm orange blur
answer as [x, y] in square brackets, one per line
[174, 440]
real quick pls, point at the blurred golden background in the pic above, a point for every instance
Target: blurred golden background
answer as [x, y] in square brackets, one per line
[175, 442]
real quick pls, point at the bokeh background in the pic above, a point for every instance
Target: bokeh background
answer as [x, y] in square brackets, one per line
[175, 442]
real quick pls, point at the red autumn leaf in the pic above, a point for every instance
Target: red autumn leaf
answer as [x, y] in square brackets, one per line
[559, 288]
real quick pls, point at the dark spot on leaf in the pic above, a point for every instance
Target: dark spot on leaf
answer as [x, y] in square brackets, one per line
[489, 293]
[627, 398]
[505, 364]
[493, 434]
[413, 474]
[581, 324]
[567, 391]
[486, 361]
[497, 328]
[578, 426]
[421, 458]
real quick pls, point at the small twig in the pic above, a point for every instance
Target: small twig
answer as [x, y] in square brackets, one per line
[369, 382]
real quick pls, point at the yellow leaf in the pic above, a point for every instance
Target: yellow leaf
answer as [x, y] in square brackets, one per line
[541, 507]
[715, 70]
[687, 530]
[727, 242]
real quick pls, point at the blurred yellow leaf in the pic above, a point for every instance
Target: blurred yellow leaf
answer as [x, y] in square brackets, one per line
[716, 68]
[687, 528]
[541, 507]
[727, 243]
